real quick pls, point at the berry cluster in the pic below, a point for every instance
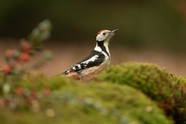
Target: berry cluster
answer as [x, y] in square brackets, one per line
[15, 58]
[30, 96]
[11, 91]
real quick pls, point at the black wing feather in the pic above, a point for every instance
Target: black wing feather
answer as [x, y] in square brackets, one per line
[81, 65]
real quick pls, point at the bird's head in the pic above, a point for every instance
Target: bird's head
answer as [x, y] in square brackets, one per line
[105, 35]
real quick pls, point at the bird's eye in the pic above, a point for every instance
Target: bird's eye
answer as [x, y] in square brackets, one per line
[104, 33]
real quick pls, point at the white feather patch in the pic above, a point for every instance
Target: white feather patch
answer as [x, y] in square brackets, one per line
[92, 59]
[97, 48]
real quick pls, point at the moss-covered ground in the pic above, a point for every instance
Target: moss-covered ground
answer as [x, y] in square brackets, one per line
[130, 93]
[168, 90]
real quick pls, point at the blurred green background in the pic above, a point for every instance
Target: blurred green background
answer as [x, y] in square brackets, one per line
[142, 23]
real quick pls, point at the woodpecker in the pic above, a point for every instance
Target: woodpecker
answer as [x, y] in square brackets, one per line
[96, 61]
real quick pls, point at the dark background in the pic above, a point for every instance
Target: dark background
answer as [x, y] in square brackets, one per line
[145, 26]
[141, 22]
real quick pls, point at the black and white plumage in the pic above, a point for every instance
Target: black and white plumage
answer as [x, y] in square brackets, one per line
[97, 60]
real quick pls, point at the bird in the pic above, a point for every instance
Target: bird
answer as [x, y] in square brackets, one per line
[98, 59]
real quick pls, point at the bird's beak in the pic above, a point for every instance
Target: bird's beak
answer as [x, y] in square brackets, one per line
[111, 34]
[113, 31]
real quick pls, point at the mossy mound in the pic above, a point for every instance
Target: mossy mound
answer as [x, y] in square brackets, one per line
[165, 88]
[74, 102]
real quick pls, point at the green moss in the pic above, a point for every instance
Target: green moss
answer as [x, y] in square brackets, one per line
[75, 102]
[167, 89]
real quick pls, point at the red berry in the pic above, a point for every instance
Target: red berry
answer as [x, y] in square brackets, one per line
[46, 91]
[8, 53]
[5, 101]
[25, 46]
[6, 69]
[24, 57]
[29, 99]
[18, 90]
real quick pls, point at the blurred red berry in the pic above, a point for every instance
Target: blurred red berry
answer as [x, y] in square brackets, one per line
[24, 57]
[25, 46]
[6, 69]
[8, 53]
[29, 99]
[5, 101]
[46, 91]
[18, 90]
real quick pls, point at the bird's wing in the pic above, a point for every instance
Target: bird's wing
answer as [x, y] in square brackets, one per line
[94, 59]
